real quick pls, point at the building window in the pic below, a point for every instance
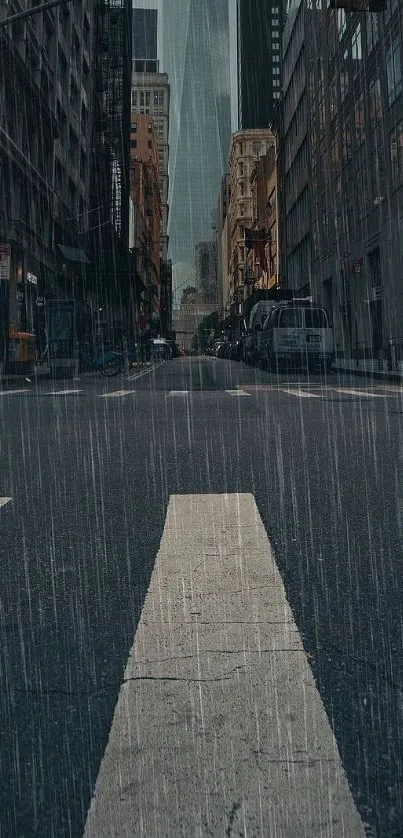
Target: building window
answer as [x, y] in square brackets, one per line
[133, 144]
[276, 59]
[394, 70]
[150, 127]
[356, 49]
[276, 95]
[150, 145]
[372, 32]
[240, 147]
[158, 98]
[241, 170]
[375, 102]
[276, 71]
[359, 117]
[341, 22]
[347, 141]
[396, 155]
[134, 127]
[344, 76]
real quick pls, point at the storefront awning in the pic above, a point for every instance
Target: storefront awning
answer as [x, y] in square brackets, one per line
[74, 254]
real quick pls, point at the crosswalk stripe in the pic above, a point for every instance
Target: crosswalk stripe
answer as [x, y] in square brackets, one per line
[3, 501]
[237, 393]
[13, 392]
[116, 394]
[63, 392]
[218, 704]
[302, 394]
[363, 393]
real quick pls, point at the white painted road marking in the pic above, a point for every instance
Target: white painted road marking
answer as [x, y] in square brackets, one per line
[13, 392]
[63, 392]
[144, 372]
[178, 392]
[363, 393]
[117, 394]
[302, 394]
[237, 393]
[3, 501]
[219, 726]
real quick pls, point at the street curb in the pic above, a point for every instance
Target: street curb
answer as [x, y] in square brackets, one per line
[380, 376]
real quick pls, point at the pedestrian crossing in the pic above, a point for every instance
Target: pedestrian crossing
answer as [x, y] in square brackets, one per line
[294, 391]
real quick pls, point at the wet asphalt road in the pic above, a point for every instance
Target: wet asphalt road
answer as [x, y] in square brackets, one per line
[90, 477]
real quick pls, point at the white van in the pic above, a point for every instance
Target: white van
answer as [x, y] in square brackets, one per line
[257, 318]
[298, 334]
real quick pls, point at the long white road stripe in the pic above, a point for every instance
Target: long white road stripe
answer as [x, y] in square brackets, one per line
[302, 394]
[363, 393]
[3, 501]
[117, 394]
[237, 393]
[13, 392]
[219, 728]
[63, 392]
[178, 392]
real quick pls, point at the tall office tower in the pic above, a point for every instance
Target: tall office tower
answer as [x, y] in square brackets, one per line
[260, 25]
[196, 56]
[145, 34]
[111, 176]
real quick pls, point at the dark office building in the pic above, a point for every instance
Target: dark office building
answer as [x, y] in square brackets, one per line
[110, 171]
[145, 34]
[260, 25]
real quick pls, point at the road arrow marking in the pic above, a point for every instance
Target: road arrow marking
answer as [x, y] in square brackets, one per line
[3, 501]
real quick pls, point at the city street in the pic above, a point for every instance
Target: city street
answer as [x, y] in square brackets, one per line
[89, 469]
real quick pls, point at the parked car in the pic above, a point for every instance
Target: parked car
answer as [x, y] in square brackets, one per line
[298, 333]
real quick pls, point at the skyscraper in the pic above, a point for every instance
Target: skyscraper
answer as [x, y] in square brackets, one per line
[145, 34]
[260, 24]
[201, 144]
[193, 49]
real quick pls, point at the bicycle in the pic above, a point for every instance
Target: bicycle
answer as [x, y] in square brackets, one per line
[107, 362]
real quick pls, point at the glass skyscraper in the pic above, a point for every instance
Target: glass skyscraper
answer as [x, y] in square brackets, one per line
[193, 49]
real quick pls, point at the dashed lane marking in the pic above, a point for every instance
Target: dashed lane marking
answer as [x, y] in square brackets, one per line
[178, 393]
[117, 394]
[13, 392]
[3, 501]
[302, 394]
[362, 393]
[63, 392]
[218, 703]
[237, 393]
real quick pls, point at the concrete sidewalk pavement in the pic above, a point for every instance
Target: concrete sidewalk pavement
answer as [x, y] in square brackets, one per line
[369, 368]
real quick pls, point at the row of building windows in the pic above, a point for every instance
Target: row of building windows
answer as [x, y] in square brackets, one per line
[148, 98]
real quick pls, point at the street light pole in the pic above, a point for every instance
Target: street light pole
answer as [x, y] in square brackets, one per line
[35, 10]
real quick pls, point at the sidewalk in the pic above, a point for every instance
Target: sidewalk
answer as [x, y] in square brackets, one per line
[369, 369]
[40, 371]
